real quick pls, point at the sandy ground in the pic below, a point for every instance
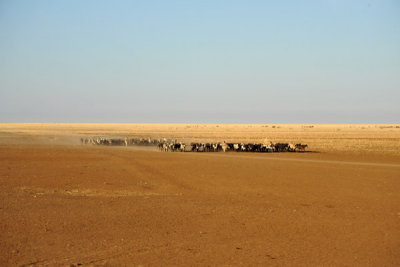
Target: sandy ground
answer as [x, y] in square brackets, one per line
[63, 204]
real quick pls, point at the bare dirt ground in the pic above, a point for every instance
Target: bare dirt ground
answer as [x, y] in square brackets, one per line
[62, 203]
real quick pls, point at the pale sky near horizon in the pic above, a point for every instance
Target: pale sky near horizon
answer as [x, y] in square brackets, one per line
[200, 61]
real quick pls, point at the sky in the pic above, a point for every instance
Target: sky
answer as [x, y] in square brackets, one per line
[200, 61]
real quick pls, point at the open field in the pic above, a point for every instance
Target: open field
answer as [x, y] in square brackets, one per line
[62, 203]
[384, 138]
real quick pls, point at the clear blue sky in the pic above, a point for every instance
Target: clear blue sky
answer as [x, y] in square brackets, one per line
[200, 61]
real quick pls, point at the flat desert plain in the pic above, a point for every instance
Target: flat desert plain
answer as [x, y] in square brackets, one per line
[67, 204]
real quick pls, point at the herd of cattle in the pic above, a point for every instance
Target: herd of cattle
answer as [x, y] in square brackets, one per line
[237, 147]
[174, 146]
[120, 142]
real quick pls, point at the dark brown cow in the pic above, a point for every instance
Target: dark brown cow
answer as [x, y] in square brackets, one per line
[300, 147]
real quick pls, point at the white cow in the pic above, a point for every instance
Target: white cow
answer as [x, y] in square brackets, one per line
[224, 146]
[236, 147]
[292, 147]
[215, 147]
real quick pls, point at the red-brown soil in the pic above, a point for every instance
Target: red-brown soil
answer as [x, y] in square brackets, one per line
[63, 205]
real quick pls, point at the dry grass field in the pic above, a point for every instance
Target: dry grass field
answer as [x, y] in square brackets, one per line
[383, 138]
[66, 204]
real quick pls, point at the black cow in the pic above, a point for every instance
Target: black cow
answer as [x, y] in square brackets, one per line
[281, 147]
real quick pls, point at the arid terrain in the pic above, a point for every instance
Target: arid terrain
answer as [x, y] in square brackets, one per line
[66, 204]
[383, 138]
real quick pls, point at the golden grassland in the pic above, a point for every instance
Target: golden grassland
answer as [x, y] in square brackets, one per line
[319, 137]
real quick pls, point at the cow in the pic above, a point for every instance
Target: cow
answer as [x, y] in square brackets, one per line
[177, 147]
[182, 147]
[165, 147]
[281, 147]
[224, 146]
[236, 147]
[257, 147]
[171, 147]
[194, 146]
[201, 148]
[292, 147]
[267, 148]
[215, 147]
[271, 147]
[249, 147]
[300, 147]
[207, 147]
[242, 147]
